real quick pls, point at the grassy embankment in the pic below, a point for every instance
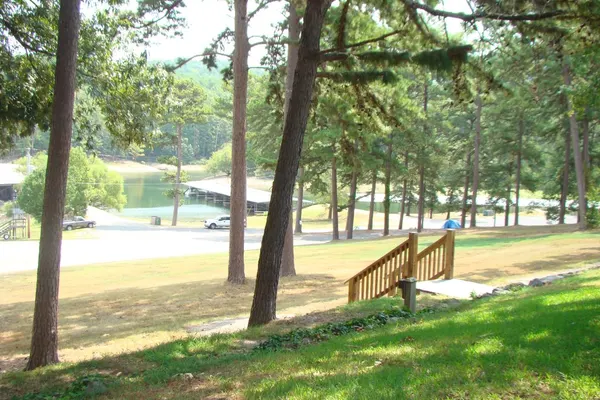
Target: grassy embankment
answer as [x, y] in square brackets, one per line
[536, 343]
[120, 307]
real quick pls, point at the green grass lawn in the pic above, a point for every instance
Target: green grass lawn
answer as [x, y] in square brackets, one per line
[532, 344]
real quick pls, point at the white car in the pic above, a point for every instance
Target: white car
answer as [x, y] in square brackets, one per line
[220, 222]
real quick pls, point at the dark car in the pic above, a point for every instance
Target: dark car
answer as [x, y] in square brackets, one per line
[78, 222]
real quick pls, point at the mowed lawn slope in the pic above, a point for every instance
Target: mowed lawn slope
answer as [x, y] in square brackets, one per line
[537, 343]
[121, 307]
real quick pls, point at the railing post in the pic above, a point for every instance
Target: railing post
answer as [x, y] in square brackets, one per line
[413, 251]
[352, 290]
[449, 267]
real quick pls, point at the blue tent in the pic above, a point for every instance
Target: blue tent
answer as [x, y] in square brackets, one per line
[451, 224]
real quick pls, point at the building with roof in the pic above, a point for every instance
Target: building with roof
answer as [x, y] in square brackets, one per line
[9, 179]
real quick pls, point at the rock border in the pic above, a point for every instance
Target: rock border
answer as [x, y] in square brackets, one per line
[538, 282]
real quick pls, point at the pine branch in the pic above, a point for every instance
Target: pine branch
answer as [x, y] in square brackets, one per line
[261, 6]
[341, 38]
[484, 15]
[20, 38]
[168, 10]
[182, 61]
[361, 77]
[364, 42]
[438, 59]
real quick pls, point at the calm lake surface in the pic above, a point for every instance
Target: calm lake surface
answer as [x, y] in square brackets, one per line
[145, 198]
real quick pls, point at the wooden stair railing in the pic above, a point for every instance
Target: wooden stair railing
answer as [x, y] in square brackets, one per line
[382, 277]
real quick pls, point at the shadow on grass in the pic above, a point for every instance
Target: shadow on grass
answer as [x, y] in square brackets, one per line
[101, 318]
[538, 343]
[554, 263]
[542, 346]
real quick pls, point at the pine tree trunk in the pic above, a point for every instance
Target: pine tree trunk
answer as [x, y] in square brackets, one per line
[507, 208]
[479, 106]
[372, 204]
[404, 183]
[564, 192]
[579, 170]
[585, 131]
[288, 262]
[351, 204]
[238, 205]
[519, 166]
[421, 204]
[300, 201]
[44, 339]
[177, 178]
[388, 178]
[468, 171]
[264, 303]
[334, 199]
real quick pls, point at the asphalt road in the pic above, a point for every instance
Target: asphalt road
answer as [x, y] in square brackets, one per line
[121, 240]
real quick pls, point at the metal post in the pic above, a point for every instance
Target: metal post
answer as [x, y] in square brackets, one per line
[409, 294]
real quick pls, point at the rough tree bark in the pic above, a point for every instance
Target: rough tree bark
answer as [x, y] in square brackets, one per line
[519, 166]
[421, 205]
[372, 203]
[507, 207]
[386, 200]
[585, 131]
[334, 198]
[478, 108]
[177, 177]
[564, 190]
[351, 204]
[288, 262]
[44, 340]
[298, 228]
[264, 303]
[237, 207]
[404, 183]
[468, 170]
[579, 171]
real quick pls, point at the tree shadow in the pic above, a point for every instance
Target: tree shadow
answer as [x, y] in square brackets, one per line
[517, 351]
[130, 317]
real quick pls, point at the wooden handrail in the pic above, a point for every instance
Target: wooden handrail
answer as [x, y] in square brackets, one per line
[383, 276]
[400, 248]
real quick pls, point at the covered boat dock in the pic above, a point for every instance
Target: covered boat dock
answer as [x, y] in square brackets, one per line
[257, 201]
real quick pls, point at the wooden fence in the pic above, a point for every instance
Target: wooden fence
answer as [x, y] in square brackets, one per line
[382, 277]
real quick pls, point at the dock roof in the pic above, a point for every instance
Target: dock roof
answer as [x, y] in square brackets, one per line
[252, 195]
[9, 175]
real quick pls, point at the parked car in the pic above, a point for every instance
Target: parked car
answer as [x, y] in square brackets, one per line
[219, 222]
[78, 222]
[224, 221]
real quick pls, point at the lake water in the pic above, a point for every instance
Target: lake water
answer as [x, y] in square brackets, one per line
[145, 198]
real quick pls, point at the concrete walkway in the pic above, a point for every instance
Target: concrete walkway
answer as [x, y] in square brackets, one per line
[456, 288]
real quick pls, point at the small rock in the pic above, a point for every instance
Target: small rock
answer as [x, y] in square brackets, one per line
[185, 376]
[393, 319]
[536, 282]
[94, 388]
[500, 291]
[514, 286]
[306, 341]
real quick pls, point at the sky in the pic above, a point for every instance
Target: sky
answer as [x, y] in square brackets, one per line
[206, 19]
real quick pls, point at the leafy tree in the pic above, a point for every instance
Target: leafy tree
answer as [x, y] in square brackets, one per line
[185, 104]
[220, 161]
[89, 182]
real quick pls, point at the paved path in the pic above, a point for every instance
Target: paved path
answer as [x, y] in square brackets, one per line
[456, 288]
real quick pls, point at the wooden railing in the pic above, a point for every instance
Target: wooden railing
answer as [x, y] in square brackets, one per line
[382, 277]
